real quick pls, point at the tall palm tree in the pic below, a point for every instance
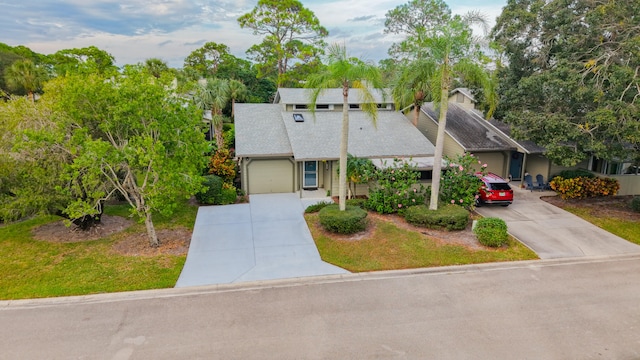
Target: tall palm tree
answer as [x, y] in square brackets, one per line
[237, 92]
[25, 75]
[214, 95]
[345, 72]
[413, 86]
[449, 49]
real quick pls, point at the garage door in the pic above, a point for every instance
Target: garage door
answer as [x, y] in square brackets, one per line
[270, 176]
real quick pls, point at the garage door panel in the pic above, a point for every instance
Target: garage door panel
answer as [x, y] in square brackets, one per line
[270, 176]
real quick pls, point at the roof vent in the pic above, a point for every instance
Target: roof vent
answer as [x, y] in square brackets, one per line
[298, 117]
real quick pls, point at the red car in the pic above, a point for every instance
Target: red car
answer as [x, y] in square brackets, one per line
[494, 190]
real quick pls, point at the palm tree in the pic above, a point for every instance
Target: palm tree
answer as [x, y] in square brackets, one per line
[237, 92]
[214, 95]
[448, 48]
[413, 86]
[347, 73]
[156, 66]
[25, 75]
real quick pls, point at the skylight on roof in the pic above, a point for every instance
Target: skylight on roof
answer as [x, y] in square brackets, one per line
[298, 117]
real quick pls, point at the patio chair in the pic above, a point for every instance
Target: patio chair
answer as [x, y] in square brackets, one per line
[528, 183]
[541, 184]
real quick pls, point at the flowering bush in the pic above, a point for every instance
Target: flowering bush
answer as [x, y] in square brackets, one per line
[459, 185]
[396, 188]
[222, 165]
[583, 187]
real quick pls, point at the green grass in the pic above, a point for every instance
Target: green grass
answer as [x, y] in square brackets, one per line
[626, 229]
[35, 269]
[390, 247]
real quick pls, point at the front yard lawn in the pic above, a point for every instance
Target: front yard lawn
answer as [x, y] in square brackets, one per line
[387, 246]
[32, 268]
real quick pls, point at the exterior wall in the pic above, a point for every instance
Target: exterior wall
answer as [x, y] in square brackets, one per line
[629, 184]
[462, 100]
[260, 176]
[496, 162]
[537, 164]
[556, 169]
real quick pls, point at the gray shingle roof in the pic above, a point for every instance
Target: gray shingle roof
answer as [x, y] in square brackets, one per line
[260, 131]
[266, 130]
[528, 145]
[329, 96]
[393, 136]
[467, 128]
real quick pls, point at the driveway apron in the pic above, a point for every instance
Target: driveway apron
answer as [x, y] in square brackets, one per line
[265, 239]
[554, 233]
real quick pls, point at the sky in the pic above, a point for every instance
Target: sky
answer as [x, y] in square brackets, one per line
[135, 30]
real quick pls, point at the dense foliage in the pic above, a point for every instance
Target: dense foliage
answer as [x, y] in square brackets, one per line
[459, 183]
[396, 188]
[584, 187]
[572, 83]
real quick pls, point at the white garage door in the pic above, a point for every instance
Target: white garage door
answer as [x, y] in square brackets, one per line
[270, 176]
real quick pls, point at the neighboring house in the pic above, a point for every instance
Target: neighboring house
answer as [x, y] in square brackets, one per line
[283, 147]
[468, 131]
[491, 142]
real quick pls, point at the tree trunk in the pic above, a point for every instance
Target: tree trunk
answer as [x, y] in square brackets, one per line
[342, 180]
[151, 230]
[416, 115]
[219, 136]
[442, 124]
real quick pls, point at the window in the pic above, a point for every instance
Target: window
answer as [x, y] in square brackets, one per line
[298, 117]
[322, 106]
[300, 107]
[354, 106]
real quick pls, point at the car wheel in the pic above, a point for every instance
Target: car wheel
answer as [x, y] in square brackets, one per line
[478, 203]
[505, 205]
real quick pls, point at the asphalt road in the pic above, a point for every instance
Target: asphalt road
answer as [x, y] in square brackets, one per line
[552, 309]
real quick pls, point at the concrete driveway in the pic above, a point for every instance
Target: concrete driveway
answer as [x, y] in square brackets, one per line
[265, 239]
[552, 232]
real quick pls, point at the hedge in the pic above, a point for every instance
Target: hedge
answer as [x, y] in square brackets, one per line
[450, 217]
[584, 187]
[212, 194]
[316, 207]
[635, 203]
[352, 220]
[491, 232]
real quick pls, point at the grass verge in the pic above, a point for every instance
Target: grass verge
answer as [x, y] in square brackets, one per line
[36, 269]
[391, 248]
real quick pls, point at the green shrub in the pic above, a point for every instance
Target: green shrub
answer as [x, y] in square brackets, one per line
[361, 203]
[450, 217]
[491, 232]
[229, 195]
[572, 174]
[212, 193]
[316, 207]
[350, 221]
[635, 203]
[459, 184]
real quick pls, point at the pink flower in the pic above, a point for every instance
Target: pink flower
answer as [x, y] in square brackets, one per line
[399, 205]
[460, 168]
[461, 201]
[479, 162]
[393, 179]
[415, 190]
[471, 155]
[453, 201]
[452, 165]
[414, 200]
[393, 171]
[484, 165]
[477, 196]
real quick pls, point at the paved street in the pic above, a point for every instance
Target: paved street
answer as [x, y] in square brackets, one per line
[551, 309]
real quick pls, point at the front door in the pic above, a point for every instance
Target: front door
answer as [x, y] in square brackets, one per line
[515, 170]
[310, 176]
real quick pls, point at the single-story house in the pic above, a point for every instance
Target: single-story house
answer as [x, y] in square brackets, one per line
[284, 147]
[490, 140]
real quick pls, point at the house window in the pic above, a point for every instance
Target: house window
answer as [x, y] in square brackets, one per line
[354, 106]
[323, 107]
[300, 106]
[384, 106]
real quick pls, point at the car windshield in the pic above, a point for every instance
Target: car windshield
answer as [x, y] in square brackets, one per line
[499, 186]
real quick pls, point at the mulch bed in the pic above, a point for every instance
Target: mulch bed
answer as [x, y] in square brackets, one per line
[608, 206]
